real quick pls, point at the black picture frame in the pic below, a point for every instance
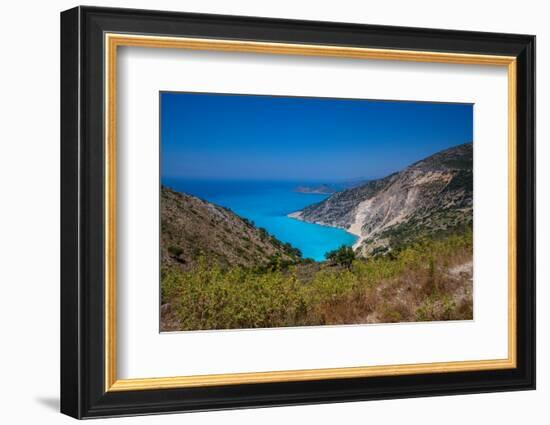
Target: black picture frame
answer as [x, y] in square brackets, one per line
[83, 392]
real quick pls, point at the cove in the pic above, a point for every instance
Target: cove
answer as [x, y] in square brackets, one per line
[267, 204]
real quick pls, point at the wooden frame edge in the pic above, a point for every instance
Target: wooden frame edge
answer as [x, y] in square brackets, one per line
[512, 212]
[114, 40]
[306, 375]
[110, 213]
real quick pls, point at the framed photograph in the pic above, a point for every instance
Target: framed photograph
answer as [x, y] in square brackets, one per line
[261, 212]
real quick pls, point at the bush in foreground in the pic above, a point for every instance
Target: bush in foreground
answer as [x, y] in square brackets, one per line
[342, 256]
[412, 285]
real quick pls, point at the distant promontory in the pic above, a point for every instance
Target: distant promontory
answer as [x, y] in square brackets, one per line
[321, 189]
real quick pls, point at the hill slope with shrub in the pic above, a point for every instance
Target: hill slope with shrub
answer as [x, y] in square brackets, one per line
[191, 228]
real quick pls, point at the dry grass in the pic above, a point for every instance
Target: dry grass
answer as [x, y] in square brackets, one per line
[429, 281]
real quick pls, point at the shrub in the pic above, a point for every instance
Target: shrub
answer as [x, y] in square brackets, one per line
[291, 251]
[411, 285]
[343, 256]
[175, 251]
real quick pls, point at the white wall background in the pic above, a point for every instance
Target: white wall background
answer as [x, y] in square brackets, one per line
[29, 213]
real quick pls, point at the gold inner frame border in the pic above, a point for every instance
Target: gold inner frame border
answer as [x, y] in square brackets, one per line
[111, 43]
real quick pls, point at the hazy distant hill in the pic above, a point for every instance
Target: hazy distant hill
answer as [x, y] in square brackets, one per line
[191, 227]
[317, 189]
[431, 196]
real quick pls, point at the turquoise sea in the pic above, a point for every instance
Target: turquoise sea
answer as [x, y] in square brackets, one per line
[267, 204]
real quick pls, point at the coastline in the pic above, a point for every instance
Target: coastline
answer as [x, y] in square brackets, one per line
[297, 215]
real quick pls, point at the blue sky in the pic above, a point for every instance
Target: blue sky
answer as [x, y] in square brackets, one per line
[212, 136]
